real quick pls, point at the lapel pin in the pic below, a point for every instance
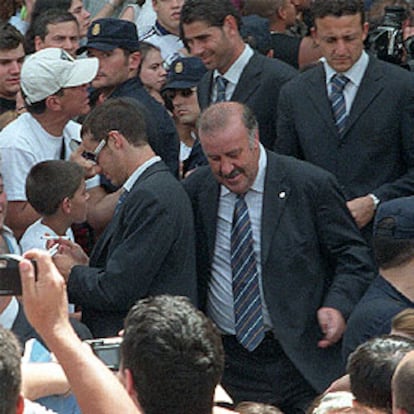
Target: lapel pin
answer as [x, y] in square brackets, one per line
[282, 194]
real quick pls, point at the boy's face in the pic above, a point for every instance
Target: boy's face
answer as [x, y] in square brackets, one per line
[79, 205]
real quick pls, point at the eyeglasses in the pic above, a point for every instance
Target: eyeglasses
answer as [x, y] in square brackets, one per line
[93, 155]
[170, 94]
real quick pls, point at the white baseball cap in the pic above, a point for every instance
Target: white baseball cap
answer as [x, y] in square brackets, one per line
[49, 70]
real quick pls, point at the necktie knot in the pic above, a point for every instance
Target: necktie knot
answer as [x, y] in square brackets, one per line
[221, 84]
[339, 82]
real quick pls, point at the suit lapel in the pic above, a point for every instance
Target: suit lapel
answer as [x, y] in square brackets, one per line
[209, 199]
[204, 90]
[319, 96]
[369, 88]
[249, 80]
[276, 194]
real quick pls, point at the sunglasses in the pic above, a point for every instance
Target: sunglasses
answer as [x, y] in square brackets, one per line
[93, 156]
[185, 93]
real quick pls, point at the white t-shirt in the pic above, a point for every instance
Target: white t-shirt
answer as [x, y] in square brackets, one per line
[32, 237]
[24, 143]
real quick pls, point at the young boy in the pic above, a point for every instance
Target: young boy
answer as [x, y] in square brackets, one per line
[56, 190]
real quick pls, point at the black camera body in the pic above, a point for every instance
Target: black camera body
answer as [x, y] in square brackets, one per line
[10, 283]
[386, 41]
[107, 350]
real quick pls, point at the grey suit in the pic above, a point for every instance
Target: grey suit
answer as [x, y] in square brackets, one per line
[258, 88]
[312, 256]
[147, 249]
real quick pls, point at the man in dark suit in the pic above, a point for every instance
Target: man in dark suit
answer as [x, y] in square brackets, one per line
[310, 264]
[371, 150]
[210, 29]
[148, 247]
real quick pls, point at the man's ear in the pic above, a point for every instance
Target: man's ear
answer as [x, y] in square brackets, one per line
[66, 205]
[129, 384]
[38, 43]
[134, 60]
[53, 103]
[20, 405]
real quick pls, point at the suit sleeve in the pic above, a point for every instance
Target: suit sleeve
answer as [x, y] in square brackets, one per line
[404, 185]
[133, 264]
[348, 252]
[287, 142]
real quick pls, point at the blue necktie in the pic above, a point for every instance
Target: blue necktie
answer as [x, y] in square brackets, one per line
[121, 200]
[246, 292]
[221, 84]
[338, 83]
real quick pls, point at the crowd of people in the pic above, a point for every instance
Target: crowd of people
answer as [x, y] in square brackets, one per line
[217, 196]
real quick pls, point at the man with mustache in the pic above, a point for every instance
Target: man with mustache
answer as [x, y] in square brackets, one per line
[280, 262]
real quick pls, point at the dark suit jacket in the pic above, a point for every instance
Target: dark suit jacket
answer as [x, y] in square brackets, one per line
[258, 88]
[312, 256]
[147, 249]
[376, 153]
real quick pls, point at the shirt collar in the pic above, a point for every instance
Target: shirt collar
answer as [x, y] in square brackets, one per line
[234, 72]
[129, 183]
[354, 74]
[160, 30]
[258, 184]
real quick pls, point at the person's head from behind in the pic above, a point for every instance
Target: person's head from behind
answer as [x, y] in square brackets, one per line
[403, 323]
[115, 43]
[171, 356]
[151, 70]
[11, 60]
[11, 400]
[274, 10]
[249, 407]
[168, 14]
[53, 81]
[210, 30]
[229, 136]
[56, 28]
[113, 131]
[57, 187]
[340, 31]
[402, 386]
[180, 91]
[371, 367]
[394, 233]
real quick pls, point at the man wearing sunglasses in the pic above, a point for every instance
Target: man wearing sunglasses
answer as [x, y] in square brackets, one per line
[180, 95]
[148, 247]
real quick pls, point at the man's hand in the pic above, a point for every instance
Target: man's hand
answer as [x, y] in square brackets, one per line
[362, 210]
[90, 168]
[332, 324]
[69, 254]
[45, 300]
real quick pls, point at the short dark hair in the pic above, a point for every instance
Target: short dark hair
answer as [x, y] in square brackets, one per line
[125, 115]
[402, 386]
[40, 7]
[391, 252]
[10, 371]
[175, 355]
[371, 367]
[10, 37]
[337, 8]
[50, 182]
[52, 16]
[212, 12]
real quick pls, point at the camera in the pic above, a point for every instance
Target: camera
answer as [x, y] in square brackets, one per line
[386, 41]
[10, 283]
[107, 350]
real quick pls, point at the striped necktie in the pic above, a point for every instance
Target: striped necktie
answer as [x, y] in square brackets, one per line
[338, 83]
[246, 293]
[221, 84]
